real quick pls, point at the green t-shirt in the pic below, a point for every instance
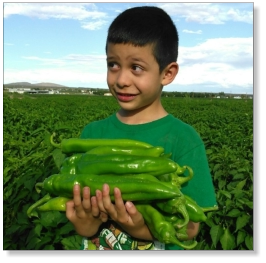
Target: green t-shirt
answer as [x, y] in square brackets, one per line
[175, 137]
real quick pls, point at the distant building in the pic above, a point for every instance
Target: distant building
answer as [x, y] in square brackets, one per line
[32, 91]
[19, 90]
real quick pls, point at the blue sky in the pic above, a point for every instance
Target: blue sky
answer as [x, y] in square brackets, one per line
[64, 43]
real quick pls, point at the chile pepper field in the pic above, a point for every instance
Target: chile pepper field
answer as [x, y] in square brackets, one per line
[225, 125]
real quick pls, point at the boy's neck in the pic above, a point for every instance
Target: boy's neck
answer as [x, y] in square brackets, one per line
[140, 116]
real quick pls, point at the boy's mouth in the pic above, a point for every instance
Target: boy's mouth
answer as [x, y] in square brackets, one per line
[125, 96]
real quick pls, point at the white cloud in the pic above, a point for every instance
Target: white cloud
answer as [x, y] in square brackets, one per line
[199, 32]
[240, 16]
[86, 13]
[207, 13]
[94, 25]
[77, 11]
[225, 61]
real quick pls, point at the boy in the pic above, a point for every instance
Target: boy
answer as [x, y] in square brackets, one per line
[142, 49]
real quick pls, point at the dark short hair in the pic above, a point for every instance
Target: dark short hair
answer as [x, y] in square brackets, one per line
[145, 25]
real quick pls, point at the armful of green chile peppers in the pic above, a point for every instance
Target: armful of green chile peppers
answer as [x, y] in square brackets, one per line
[144, 174]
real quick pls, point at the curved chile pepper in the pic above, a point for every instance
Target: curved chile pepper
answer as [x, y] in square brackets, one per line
[117, 164]
[161, 229]
[196, 213]
[77, 145]
[132, 187]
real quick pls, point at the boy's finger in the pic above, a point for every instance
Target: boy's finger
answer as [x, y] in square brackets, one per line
[108, 205]
[77, 199]
[99, 198]
[94, 207]
[119, 203]
[86, 202]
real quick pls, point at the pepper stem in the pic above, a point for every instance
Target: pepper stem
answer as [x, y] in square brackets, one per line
[38, 187]
[211, 208]
[183, 179]
[56, 145]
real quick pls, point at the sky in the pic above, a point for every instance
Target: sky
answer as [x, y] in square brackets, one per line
[64, 43]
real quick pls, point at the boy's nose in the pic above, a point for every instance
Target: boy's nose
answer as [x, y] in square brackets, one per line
[123, 79]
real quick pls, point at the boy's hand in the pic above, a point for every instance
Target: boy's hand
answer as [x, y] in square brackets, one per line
[84, 213]
[123, 213]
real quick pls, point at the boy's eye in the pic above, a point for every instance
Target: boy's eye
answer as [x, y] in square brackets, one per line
[137, 68]
[112, 65]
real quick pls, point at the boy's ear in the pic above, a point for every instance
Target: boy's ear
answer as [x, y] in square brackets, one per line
[169, 73]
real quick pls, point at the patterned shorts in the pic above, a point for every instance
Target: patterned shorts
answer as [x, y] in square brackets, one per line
[114, 239]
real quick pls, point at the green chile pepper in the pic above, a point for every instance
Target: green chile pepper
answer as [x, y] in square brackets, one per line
[59, 203]
[116, 164]
[77, 145]
[127, 165]
[132, 188]
[69, 166]
[196, 213]
[161, 229]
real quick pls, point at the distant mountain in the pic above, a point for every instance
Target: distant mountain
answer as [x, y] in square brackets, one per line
[42, 84]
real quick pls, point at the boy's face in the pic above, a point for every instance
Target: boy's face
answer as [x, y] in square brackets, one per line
[133, 76]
